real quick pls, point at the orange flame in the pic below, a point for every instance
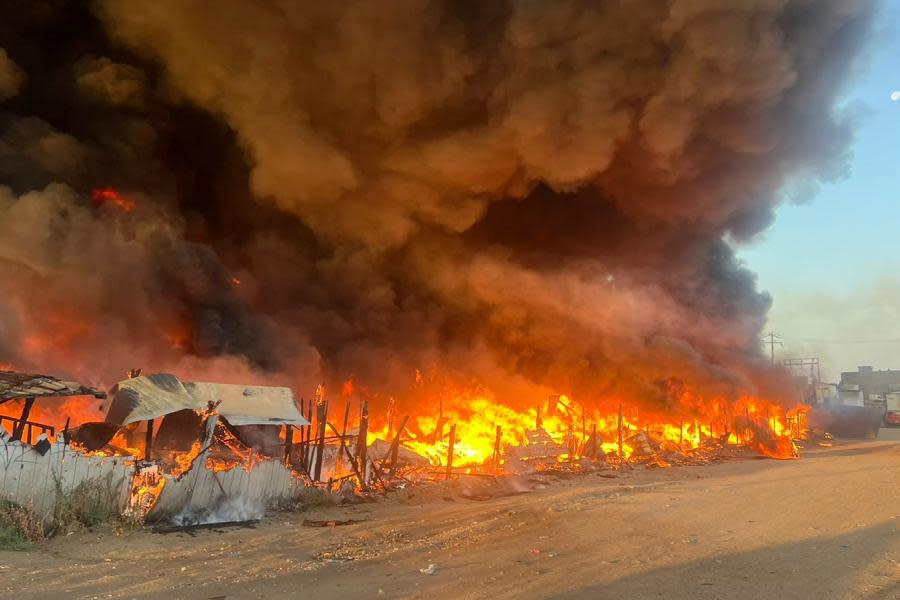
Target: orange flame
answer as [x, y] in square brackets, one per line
[110, 196]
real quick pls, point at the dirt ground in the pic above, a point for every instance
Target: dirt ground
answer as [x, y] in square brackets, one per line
[823, 527]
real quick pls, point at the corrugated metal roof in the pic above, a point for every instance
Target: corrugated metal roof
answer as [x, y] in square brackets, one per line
[15, 385]
[250, 404]
[149, 397]
[152, 396]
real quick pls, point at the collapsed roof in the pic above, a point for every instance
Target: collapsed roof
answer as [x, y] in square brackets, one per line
[152, 396]
[15, 385]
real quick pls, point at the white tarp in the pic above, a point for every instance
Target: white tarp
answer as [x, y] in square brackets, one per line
[153, 396]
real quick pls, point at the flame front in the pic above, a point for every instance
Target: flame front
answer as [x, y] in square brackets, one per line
[481, 421]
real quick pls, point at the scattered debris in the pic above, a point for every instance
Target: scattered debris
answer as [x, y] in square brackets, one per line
[330, 523]
[429, 570]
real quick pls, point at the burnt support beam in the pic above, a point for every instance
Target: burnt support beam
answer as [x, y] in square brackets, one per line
[362, 441]
[321, 419]
[288, 443]
[395, 448]
[308, 439]
[148, 441]
[23, 419]
[450, 451]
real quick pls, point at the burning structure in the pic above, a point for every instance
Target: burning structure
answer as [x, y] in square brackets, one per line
[216, 445]
[185, 451]
[454, 210]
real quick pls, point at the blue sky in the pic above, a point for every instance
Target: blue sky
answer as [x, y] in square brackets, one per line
[832, 263]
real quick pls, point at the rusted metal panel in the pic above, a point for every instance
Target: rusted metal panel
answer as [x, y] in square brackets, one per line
[15, 385]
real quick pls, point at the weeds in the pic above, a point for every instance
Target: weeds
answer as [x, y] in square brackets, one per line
[85, 506]
[20, 527]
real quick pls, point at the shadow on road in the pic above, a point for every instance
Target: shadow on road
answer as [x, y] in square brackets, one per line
[856, 565]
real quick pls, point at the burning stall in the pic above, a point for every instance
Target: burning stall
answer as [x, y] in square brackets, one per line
[218, 447]
[167, 449]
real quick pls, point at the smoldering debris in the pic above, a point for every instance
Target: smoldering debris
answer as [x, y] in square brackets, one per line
[229, 509]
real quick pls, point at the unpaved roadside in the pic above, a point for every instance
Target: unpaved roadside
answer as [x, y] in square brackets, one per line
[823, 527]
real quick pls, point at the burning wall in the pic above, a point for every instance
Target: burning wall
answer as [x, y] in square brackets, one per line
[533, 198]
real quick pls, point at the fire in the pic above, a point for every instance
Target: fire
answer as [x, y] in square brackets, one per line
[480, 424]
[111, 197]
[55, 413]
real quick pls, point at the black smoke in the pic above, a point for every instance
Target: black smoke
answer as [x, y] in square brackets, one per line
[532, 195]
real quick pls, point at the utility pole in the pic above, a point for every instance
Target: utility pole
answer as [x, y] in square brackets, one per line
[772, 338]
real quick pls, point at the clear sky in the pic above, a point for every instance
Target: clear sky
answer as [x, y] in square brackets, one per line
[832, 263]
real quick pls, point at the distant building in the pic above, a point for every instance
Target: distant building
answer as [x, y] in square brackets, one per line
[868, 387]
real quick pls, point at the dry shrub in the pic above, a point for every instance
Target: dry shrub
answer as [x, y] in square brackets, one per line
[19, 526]
[89, 504]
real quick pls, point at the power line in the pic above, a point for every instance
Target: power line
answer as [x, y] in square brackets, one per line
[772, 338]
[836, 341]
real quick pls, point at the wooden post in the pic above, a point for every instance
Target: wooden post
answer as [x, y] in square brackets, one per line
[321, 418]
[620, 440]
[497, 448]
[343, 433]
[148, 440]
[395, 448]
[307, 449]
[301, 429]
[362, 442]
[594, 441]
[23, 418]
[681, 432]
[450, 451]
[288, 443]
[346, 420]
[538, 422]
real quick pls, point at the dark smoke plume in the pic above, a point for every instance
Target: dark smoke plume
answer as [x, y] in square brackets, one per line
[531, 195]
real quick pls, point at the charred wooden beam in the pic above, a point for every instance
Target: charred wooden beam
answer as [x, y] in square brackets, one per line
[148, 440]
[288, 443]
[23, 420]
[321, 419]
[362, 441]
[395, 448]
[450, 451]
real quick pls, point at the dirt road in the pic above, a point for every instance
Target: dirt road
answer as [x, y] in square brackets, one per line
[823, 527]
